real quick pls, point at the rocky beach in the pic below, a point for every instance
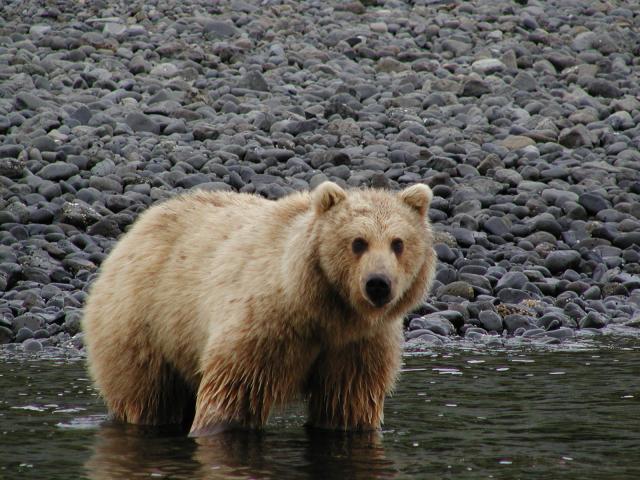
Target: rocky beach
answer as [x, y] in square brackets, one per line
[522, 116]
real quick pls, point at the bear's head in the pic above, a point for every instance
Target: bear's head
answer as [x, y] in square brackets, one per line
[375, 246]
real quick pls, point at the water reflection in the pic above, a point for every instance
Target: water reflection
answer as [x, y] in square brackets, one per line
[125, 451]
[462, 413]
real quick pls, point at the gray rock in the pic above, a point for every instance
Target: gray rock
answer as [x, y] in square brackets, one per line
[44, 143]
[487, 66]
[496, 226]
[23, 334]
[25, 100]
[254, 80]
[515, 280]
[514, 322]
[575, 137]
[600, 87]
[525, 82]
[490, 321]
[32, 346]
[11, 167]
[562, 260]
[433, 323]
[219, 29]
[561, 333]
[78, 214]
[139, 122]
[593, 320]
[27, 320]
[593, 202]
[475, 88]
[58, 171]
[513, 295]
[6, 335]
[457, 289]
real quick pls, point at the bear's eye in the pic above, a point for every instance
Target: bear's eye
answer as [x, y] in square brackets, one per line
[359, 245]
[397, 245]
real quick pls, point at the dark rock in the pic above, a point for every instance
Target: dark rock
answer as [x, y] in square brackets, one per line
[515, 280]
[32, 346]
[457, 289]
[6, 335]
[593, 202]
[496, 226]
[23, 334]
[561, 333]
[593, 320]
[475, 88]
[78, 214]
[626, 240]
[139, 122]
[58, 171]
[562, 260]
[490, 321]
[575, 137]
[445, 254]
[11, 167]
[601, 87]
[434, 323]
[253, 80]
[512, 295]
[107, 227]
[219, 29]
[515, 321]
[27, 320]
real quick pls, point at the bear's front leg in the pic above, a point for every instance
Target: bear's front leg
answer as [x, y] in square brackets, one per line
[347, 386]
[244, 376]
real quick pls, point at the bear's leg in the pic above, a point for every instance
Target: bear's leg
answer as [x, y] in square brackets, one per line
[244, 376]
[347, 386]
[139, 386]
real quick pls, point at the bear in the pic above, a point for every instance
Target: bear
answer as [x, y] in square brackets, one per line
[216, 307]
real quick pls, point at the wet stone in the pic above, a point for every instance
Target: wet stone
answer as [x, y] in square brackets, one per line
[490, 321]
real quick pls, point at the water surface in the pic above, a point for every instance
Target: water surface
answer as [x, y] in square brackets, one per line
[570, 412]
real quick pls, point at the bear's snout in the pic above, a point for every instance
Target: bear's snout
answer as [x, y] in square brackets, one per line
[378, 289]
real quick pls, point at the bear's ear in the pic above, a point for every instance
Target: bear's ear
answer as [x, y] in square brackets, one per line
[417, 196]
[327, 195]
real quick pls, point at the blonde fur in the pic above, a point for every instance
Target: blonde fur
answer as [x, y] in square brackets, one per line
[232, 304]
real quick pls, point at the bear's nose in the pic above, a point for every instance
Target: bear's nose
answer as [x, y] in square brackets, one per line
[378, 288]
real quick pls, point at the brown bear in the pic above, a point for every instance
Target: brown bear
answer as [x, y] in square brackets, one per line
[216, 307]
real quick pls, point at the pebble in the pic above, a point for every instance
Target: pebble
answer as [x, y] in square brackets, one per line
[526, 131]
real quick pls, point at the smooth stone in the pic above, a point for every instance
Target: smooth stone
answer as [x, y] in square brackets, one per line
[575, 137]
[515, 321]
[254, 80]
[139, 122]
[23, 334]
[515, 280]
[593, 202]
[560, 333]
[496, 226]
[436, 324]
[593, 320]
[457, 289]
[166, 70]
[32, 346]
[58, 171]
[512, 295]
[490, 321]
[488, 66]
[475, 88]
[561, 260]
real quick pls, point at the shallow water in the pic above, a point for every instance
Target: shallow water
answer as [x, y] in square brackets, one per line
[571, 412]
